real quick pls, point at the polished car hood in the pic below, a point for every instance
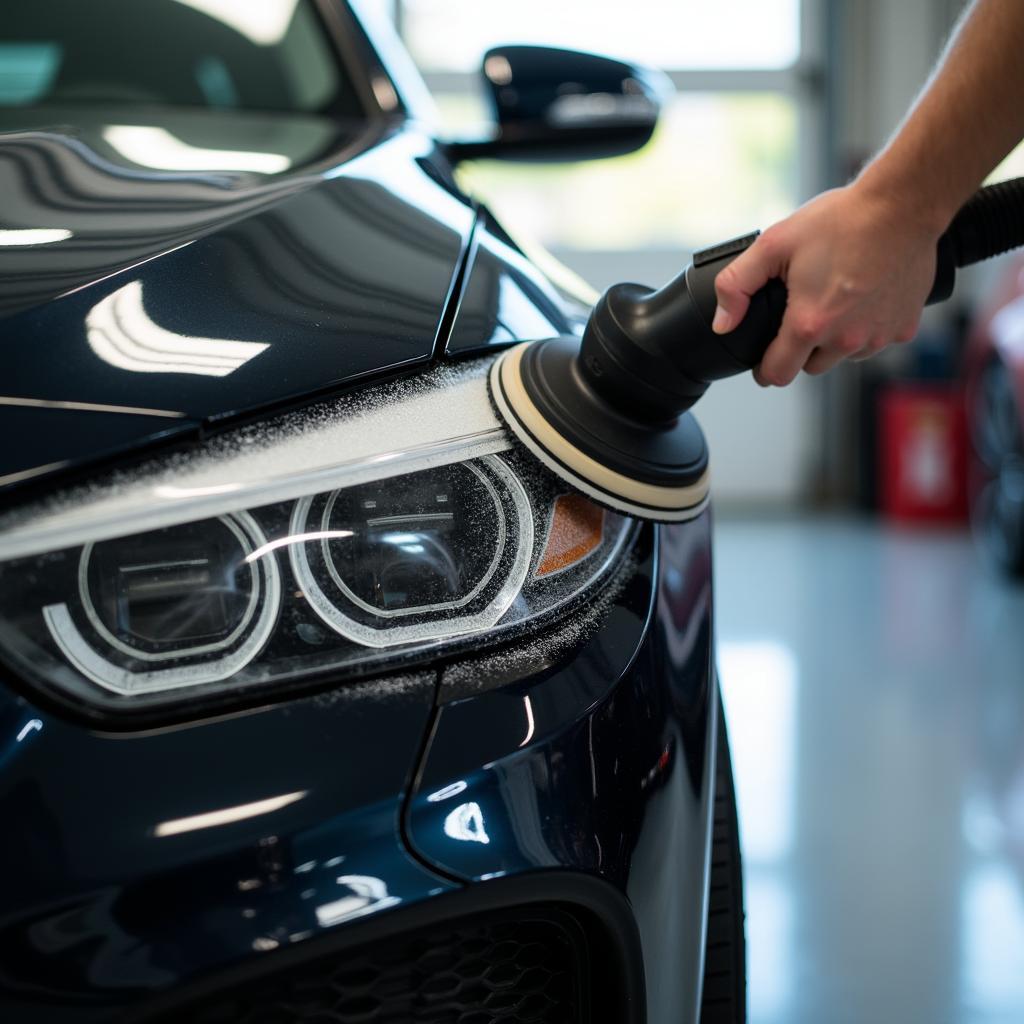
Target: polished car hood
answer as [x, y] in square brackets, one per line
[104, 195]
[159, 278]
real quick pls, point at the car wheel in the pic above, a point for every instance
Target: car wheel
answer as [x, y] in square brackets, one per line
[725, 955]
[997, 506]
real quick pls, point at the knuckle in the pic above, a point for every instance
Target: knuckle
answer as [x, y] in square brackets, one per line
[872, 348]
[848, 344]
[806, 327]
[851, 290]
[770, 240]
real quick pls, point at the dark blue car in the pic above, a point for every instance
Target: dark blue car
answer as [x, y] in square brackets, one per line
[320, 700]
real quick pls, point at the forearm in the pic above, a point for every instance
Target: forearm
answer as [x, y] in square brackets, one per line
[858, 262]
[967, 118]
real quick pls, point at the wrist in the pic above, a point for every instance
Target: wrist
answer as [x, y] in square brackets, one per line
[915, 199]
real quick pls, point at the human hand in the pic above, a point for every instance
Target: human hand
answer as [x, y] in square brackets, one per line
[858, 266]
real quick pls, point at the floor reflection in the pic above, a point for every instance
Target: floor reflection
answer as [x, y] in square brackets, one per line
[874, 683]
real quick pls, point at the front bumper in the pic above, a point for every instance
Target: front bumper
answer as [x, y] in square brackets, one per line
[571, 772]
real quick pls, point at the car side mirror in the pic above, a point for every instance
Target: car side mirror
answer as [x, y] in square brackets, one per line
[552, 104]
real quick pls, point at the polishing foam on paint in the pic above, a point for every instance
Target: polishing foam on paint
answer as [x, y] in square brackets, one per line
[646, 487]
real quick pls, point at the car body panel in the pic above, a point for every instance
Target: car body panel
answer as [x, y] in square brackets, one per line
[127, 890]
[128, 187]
[600, 762]
[997, 334]
[994, 385]
[324, 282]
[55, 435]
[1002, 323]
[153, 861]
[504, 298]
[992, 328]
[149, 858]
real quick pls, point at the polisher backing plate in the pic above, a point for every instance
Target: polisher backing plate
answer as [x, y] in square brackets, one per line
[666, 504]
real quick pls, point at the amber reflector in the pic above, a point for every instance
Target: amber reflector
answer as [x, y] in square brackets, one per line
[577, 525]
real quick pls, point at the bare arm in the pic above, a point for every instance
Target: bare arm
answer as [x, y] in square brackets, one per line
[859, 261]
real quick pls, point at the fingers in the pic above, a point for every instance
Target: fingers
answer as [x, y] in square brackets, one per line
[794, 350]
[734, 285]
[908, 332]
[801, 332]
[872, 348]
[822, 360]
[804, 344]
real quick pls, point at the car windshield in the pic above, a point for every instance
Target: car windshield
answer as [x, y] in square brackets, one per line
[270, 55]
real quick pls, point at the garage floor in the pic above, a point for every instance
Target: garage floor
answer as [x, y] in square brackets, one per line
[874, 683]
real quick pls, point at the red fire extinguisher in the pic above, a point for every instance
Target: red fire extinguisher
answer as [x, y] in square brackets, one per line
[923, 453]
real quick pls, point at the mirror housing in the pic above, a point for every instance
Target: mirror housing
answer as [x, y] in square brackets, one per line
[558, 105]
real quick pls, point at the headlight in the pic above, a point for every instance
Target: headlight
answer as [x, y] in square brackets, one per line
[272, 558]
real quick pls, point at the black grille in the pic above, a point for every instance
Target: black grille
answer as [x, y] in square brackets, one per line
[498, 969]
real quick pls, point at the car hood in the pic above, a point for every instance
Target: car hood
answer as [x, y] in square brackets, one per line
[159, 276]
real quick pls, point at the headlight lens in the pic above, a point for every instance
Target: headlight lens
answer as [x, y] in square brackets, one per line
[429, 555]
[386, 567]
[176, 607]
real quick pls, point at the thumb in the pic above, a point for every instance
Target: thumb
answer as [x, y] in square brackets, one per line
[737, 282]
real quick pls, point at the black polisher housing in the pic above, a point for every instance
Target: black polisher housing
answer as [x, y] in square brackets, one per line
[609, 413]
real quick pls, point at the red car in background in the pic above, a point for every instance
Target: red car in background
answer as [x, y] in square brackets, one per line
[995, 405]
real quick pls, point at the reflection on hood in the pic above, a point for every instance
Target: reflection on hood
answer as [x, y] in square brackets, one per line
[79, 204]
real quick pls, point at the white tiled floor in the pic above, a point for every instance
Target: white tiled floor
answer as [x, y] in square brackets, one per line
[874, 684]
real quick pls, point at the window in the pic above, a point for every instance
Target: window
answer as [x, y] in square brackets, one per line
[26, 71]
[718, 164]
[451, 35]
[265, 55]
[732, 151]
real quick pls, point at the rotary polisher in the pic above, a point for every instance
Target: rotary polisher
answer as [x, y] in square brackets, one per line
[609, 413]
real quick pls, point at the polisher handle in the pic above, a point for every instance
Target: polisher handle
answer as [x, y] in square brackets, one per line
[990, 223]
[651, 354]
[747, 344]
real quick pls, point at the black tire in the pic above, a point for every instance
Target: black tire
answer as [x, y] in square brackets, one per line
[997, 500]
[724, 1000]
